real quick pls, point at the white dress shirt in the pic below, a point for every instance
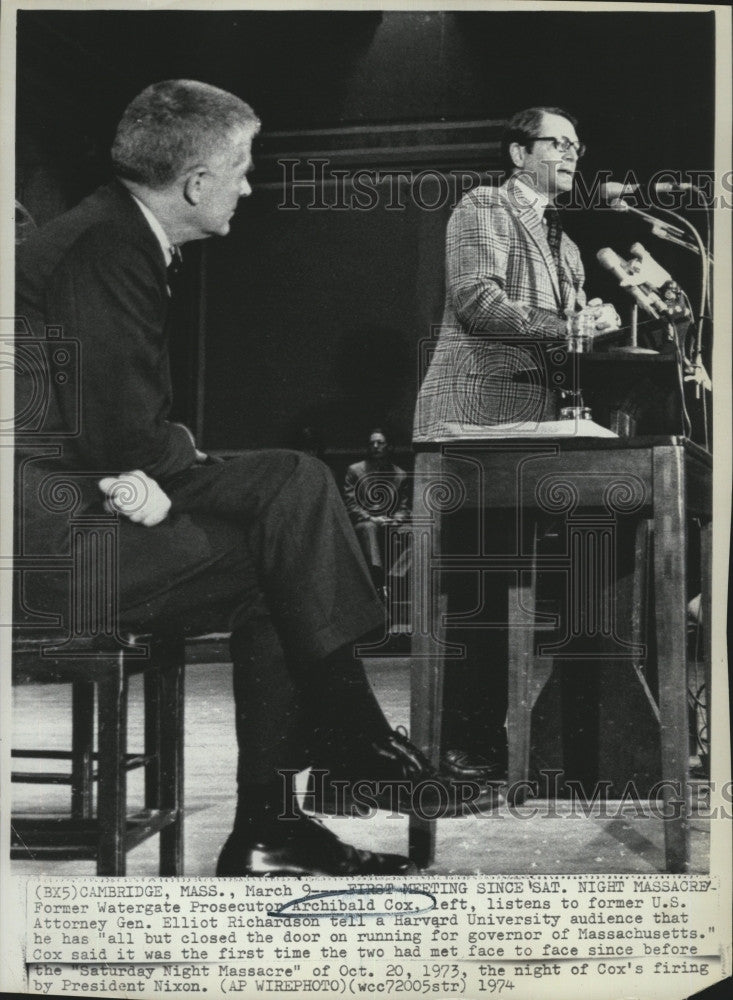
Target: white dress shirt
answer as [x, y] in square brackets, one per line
[165, 244]
[535, 199]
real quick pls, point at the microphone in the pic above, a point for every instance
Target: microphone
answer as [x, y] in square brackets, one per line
[613, 190]
[644, 296]
[654, 276]
[622, 206]
[665, 187]
[662, 233]
[654, 273]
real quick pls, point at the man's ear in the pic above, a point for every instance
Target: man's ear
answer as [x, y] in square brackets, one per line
[193, 185]
[517, 152]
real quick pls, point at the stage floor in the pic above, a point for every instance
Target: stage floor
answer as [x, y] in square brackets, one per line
[542, 837]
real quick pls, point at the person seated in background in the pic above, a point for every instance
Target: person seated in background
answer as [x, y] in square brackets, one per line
[376, 496]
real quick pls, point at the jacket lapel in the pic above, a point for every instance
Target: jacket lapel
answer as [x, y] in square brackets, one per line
[129, 206]
[526, 214]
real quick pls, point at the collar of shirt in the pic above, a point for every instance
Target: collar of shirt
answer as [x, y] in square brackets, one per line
[165, 244]
[535, 199]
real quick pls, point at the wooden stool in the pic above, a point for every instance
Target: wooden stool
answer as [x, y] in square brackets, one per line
[107, 833]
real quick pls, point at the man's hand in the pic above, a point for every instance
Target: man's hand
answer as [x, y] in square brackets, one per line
[137, 496]
[695, 372]
[603, 316]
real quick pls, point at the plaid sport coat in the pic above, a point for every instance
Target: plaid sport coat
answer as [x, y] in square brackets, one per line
[504, 301]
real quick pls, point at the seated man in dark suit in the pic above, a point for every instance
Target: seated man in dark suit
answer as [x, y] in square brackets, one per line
[260, 545]
[376, 495]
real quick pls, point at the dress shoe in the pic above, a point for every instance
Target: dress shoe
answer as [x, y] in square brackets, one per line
[396, 776]
[466, 766]
[303, 847]
[396, 757]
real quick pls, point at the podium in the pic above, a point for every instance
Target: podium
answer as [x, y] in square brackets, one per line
[588, 484]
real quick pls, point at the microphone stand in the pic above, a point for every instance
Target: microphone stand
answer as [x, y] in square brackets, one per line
[695, 367]
[623, 206]
[633, 346]
[665, 230]
[675, 235]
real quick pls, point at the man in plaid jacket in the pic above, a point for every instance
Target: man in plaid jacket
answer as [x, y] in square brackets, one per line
[514, 281]
[508, 289]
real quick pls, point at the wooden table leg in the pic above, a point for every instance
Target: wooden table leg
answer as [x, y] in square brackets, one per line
[706, 577]
[528, 674]
[521, 641]
[670, 587]
[112, 785]
[82, 749]
[151, 687]
[170, 657]
[427, 662]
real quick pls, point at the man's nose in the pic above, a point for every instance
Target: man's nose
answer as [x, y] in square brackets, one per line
[245, 189]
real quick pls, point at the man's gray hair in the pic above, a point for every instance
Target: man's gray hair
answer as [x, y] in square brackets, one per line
[173, 124]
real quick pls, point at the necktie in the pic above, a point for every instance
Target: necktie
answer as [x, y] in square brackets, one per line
[176, 262]
[554, 237]
[554, 234]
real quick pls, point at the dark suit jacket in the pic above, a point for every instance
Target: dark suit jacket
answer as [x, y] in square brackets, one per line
[96, 274]
[268, 520]
[502, 294]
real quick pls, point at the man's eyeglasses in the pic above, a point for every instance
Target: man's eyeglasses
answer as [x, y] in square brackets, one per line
[562, 145]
